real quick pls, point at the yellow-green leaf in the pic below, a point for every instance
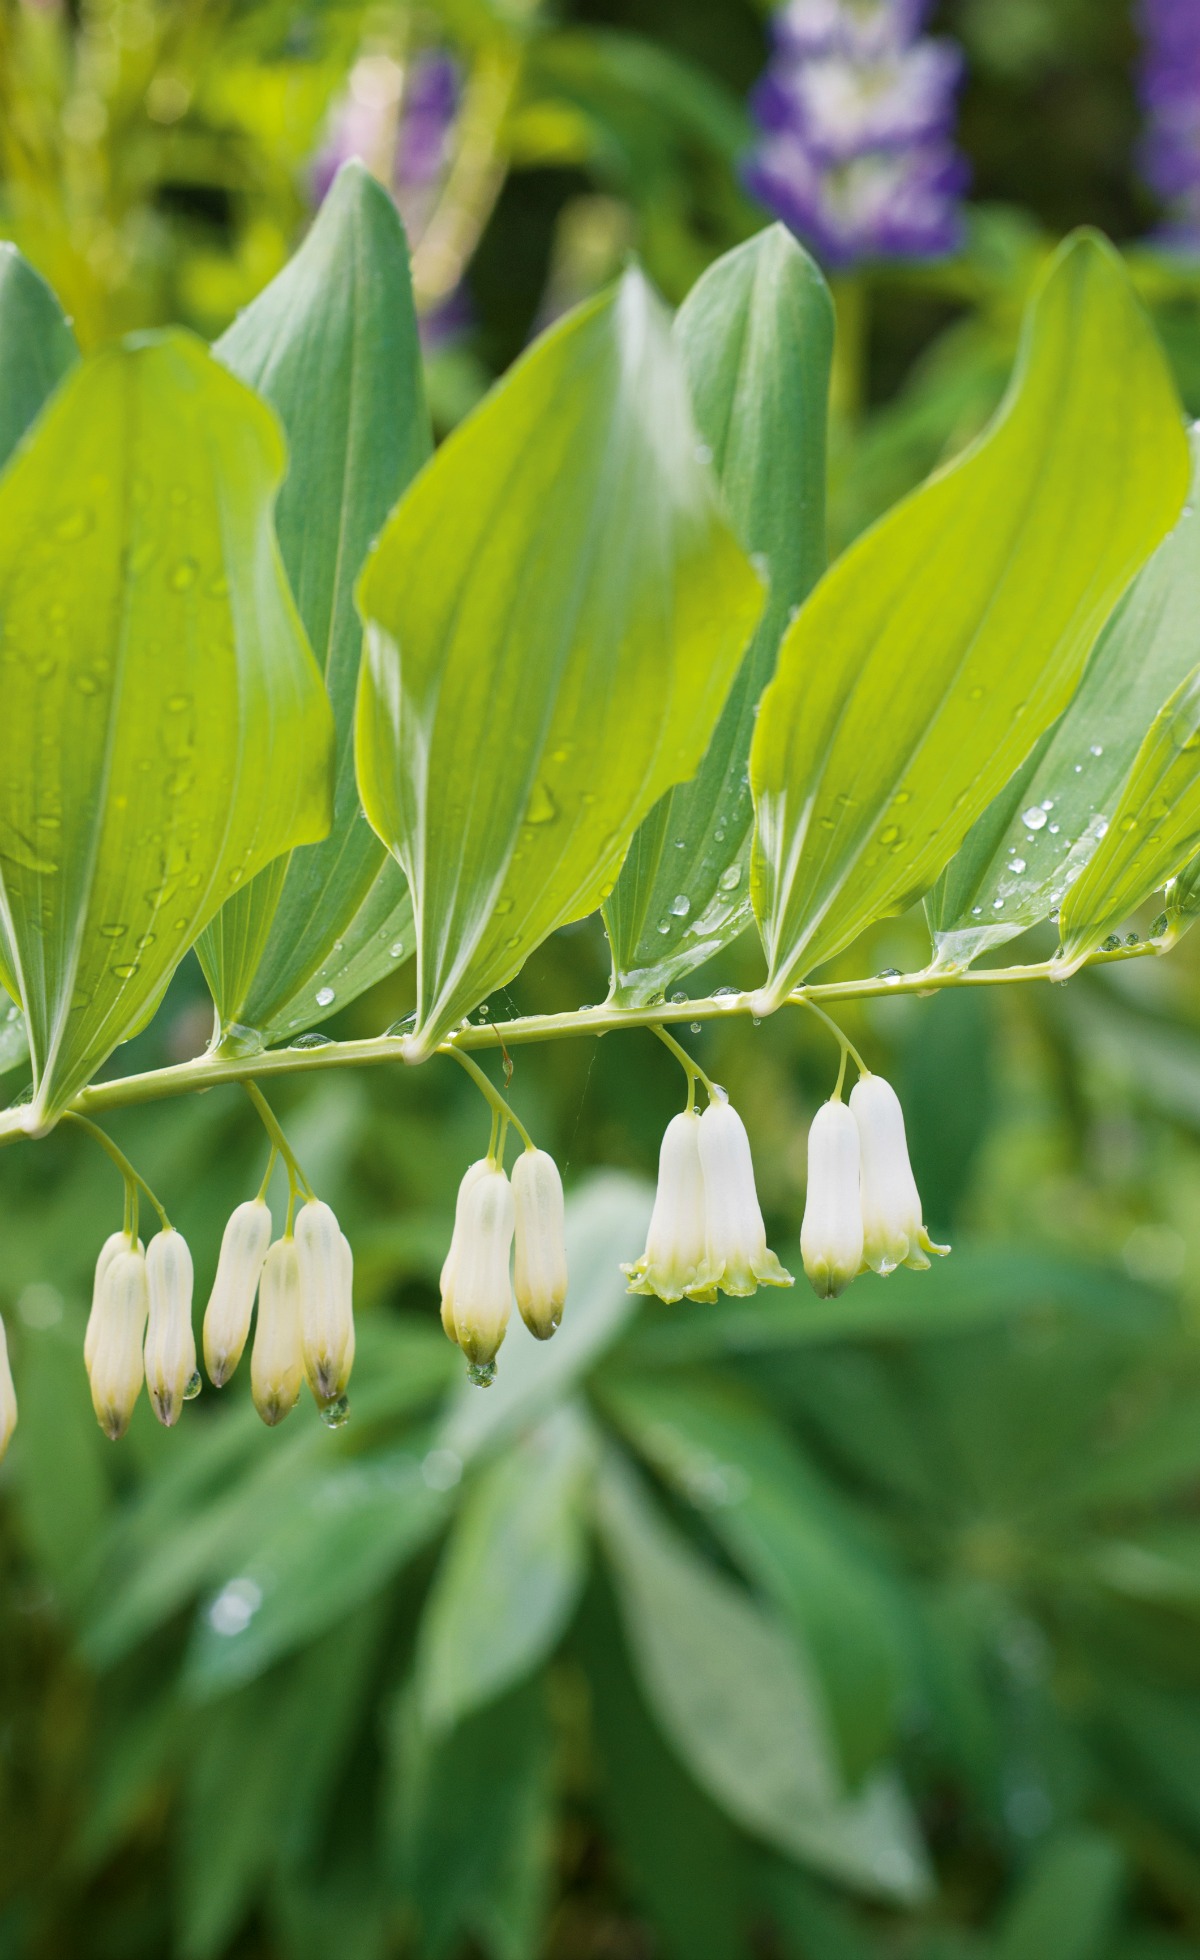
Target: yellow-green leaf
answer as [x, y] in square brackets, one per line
[933, 655]
[165, 731]
[554, 616]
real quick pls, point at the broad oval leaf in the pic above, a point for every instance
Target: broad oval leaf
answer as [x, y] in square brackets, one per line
[554, 617]
[1154, 833]
[756, 335]
[511, 1573]
[930, 659]
[332, 346]
[155, 675]
[732, 1695]
[1025, 851]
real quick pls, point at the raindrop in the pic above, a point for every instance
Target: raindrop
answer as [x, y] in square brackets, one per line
[664, 925]
[313, 1040]
[1054, 830]
[731, 878]
[503, 905]
[1048, 804]
[127, 971]
[681, 906]
[183, 575]
[678, 999]
[997, 905]
[325, 996]
[1033, 818]
[891, 835]
[238, 1039]
[74, 524]
[695, 1027]
[235, 1606]
[396, 949]
[193, 1388]
[112, 931]
[335, 1415]
[1160, 926]
[481, 1373]
[726, 993]
[681, 843]
[400, 1028]
[1131, 939]
[87, 684]
[542, 807]
[976, 911]
[1096, 749]
[889, 973]
[1017, 865]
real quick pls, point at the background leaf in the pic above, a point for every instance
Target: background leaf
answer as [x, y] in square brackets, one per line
[1012, 872]
[756, 335]
[932, 656]
[732, 1695]
[554, 617]
[155, 674]
[332, 346]
[511, 1573]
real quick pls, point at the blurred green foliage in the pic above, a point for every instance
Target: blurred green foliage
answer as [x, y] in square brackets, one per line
[865, 1630]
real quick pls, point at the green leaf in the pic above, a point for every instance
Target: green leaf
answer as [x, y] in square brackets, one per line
[477, 1828]
[155, 677]
[332, 346]
[1153, 835]
[37, 348]
[1069, 1902]
[933, 655]
[341, 1539]
[727, 1457]
[554, 617]
[511, 1573]
[1010, 873]
[756, 335]
[732, 1695]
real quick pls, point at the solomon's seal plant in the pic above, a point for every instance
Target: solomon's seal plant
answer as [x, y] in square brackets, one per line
[586, 657]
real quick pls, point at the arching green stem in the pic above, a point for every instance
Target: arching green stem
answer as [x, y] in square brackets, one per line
[849, 1051]
[486, 1088]
[133, 1179]
[270, 1124]
[693, 1069]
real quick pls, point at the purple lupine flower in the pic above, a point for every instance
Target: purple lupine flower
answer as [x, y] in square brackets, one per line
[399, 121]
[856, 114]
[1170, 89]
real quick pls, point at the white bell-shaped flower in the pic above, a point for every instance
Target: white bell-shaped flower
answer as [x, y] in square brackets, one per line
[170, 1349]
[8, 1395]
[244, 1245]
[735, 1237]
[675, 1262]
[893, 1230]
[831, 1237]
[114, 1243]
[470, 1179]
[481, 1289]
[539, 1253]
[117, 1367]
[326, 1300]
[277, 1358]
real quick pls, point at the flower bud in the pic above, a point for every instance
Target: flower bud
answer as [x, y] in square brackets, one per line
[831, 1237]
[116, 1242]
[227, 1317]
[675, 1261]
[276, 1359]
[471, 1177]
[8, 1395]
[481, 1288]
[326, 1306]
[540, 1254]
[735, 1236]
[893, 1231]
[117, 1368]
[170, 1350]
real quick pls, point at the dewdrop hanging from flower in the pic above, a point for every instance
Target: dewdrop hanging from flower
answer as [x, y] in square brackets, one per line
[855, 115]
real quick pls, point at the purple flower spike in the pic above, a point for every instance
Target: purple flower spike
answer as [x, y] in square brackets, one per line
[856, 116]
[1170, 89]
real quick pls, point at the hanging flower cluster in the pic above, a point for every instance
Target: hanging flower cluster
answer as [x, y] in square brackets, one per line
[496, 1222]
[856, 115]
[1170, 90]
[706, 1235]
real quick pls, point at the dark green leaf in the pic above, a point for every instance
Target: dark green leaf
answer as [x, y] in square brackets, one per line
[756, 336]
[332, 346]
